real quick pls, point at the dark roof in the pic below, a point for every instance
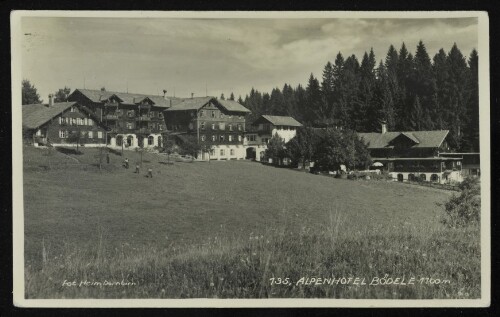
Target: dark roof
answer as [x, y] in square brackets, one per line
[36, 115]
[422, 139]
[278, 120]
[231, 105]
[189, 104]
[127, 98]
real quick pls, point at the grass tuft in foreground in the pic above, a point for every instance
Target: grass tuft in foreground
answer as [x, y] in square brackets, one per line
[229, 267]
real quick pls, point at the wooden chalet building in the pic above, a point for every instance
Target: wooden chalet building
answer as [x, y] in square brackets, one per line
[135, 120]
[414, 155]
[53, 124]
[219, 124]
[263, 129]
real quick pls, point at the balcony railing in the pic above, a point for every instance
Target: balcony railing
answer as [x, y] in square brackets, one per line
[143, 118]
[111, 117]
[417, 169]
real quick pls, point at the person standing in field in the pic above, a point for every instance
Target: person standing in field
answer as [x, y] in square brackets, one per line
[150, 172]
[126, 163]
[137, 168]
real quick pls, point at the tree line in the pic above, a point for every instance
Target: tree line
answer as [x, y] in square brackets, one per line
[409, 92]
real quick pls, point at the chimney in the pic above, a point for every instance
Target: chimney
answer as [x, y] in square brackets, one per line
[164, 94]
[192, 94]
[51, 99]
[384, 127]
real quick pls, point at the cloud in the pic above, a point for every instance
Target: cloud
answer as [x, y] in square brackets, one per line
[223, 54]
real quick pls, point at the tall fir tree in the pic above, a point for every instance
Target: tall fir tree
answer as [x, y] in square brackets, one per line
[456, 110]
[314, 100]
[472, 131]
[440, 69]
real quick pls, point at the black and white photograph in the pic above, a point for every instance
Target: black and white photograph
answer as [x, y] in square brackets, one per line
[251, 159]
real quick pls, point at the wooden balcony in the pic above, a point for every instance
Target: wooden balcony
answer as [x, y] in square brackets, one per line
[143, 118]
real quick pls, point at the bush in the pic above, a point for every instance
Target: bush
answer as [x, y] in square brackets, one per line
[465, 209]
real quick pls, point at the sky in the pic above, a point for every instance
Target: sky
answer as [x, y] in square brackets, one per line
[213, 56]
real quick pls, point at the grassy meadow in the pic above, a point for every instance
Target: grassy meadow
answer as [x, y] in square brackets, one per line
[225, 229]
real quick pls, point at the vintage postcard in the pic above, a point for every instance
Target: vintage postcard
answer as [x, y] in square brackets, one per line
[251, 159]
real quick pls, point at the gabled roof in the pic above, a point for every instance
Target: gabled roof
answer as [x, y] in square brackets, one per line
[278, 120]
[422, 139]
[127, 98]
[231, 105]
[36, 115]
[189, 103]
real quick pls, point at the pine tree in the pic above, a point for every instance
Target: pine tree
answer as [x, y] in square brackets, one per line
[472, 134]
[415, 117]
[456, 100]
[423, 84]
[300, 101]
[365, 104]
[440, 69]
[325, 113]
[289, 100]
[314, 100]
[278, 106]
[29, 93]
[231, 97]
[222, 97]
[349, 94]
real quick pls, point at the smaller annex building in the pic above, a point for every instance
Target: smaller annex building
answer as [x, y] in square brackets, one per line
[263, 129]
[414, 155]
[61, 124]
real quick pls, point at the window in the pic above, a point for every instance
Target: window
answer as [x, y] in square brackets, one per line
[231, 152]
[213, 126]
[118, 112]
[252, 137]
[73, 121]
[130, 125]
[91, 135]
[152, 114]
[214, 138]
[151, 140]
[222, 126]
[202, 125]
[230, 127]
[99, 134]
[160, 115]
[240, 127]
[72, 109]
[423, 177]
[131, 113]
[90, 121]
[221, 138]
[434, 178]
[212, 152]
[230, 138]
[240, 138]
[221, 115]
[83, 133]
[202, 113]
[63, 134]
[222, 152]
[202, 137]
[79, 121]
[60, 120]
[213, 113]
[240, 117]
